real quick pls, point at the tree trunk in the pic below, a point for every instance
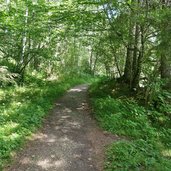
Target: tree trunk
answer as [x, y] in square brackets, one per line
[91, 62]
[137, 71]
[165, 65]
[135, 51]
[165, 70]
[128, 66]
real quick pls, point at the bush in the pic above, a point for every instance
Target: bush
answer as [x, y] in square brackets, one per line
[6, 77]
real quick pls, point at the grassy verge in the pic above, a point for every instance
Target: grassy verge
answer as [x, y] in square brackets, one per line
[147, 143]
[23, 108]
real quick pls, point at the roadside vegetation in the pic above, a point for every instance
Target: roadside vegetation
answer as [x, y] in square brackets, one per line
[145, 131]
[24, 107]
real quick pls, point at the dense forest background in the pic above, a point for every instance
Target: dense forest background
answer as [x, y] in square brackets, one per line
[44, 44]
[129, 40]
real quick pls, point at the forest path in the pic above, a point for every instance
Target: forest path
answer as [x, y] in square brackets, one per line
[69, 140]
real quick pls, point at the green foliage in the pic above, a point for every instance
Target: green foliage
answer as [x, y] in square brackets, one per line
[154, 93]
[23, 108]
[124, 117]
[127, 40]
[146, 131]
[137, 155]
[102, 87]
[6, 77]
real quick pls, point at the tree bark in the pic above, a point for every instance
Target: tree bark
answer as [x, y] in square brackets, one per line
[137, 71]
[128, 66]
[165, 70]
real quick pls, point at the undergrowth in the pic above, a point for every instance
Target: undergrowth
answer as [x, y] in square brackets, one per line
[147, 132]
[22, 110]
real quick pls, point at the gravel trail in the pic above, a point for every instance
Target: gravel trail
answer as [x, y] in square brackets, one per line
[69, 139]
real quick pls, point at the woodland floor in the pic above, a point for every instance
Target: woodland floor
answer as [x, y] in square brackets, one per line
[69, 140]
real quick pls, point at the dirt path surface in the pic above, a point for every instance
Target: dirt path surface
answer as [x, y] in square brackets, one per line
[69, 140]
